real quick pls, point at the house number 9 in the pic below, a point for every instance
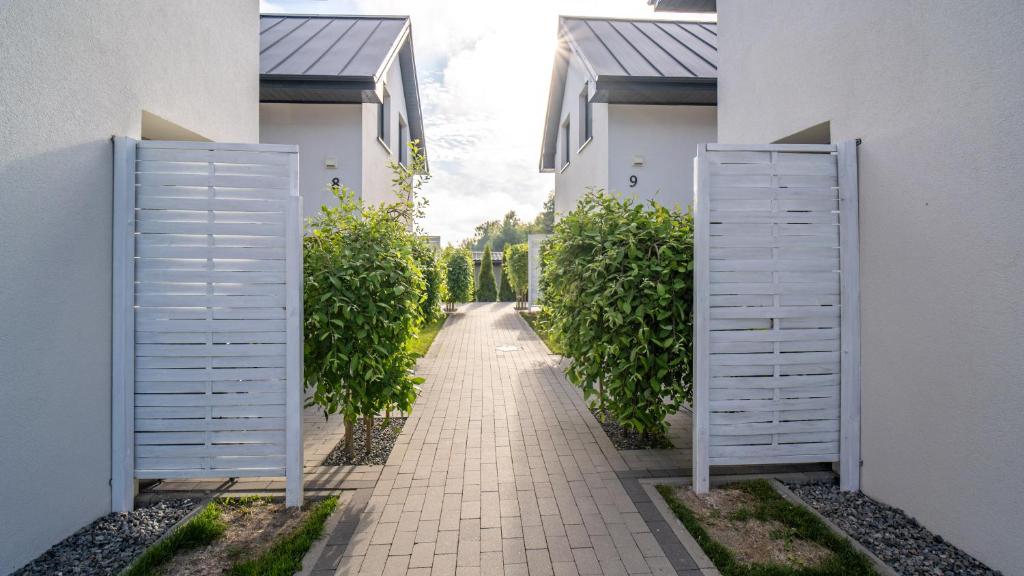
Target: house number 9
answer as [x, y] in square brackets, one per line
[632, 181]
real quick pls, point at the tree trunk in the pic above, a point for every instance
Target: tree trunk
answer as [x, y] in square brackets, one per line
[350, 442]
[368, 441]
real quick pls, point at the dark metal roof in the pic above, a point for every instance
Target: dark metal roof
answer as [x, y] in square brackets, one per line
[684, 5]
[328, 47]
[333, 59]
[644, 48]
[634, 62]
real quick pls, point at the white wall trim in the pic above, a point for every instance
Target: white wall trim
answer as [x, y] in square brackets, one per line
[849, 254]
[294, 351]
[701, 335]
[122, 368]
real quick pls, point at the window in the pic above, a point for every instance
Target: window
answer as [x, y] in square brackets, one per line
[565, 144]
[586, 117]
[384, 119]
[403, 141]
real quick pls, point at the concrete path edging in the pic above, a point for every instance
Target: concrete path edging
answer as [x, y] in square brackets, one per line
[882, 568]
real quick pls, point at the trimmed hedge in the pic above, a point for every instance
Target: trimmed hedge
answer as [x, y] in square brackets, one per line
[486, 288]
[617, 282]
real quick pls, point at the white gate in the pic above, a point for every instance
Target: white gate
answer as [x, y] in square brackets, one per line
[776, 330]
[207, 367]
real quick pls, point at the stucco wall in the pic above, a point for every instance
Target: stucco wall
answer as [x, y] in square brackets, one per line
[587, 167]
[666, 137]
[73, 75]
[376, 186]
[322, 131]
[934, 90]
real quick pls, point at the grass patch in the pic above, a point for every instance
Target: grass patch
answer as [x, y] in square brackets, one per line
[535, 322]
[421, 343]
[202, 529]
[798, 523]
[285, 556]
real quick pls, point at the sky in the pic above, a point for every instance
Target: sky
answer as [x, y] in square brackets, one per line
[484, 69]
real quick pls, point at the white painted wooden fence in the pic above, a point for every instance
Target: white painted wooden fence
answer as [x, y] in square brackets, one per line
[776, 330]
[533, 243]
[207, 313]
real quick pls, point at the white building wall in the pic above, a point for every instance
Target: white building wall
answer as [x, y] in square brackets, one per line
[74, 74]
[934, 90]
[376, 184]
[666, 139]
[587, 167]
[322, 131]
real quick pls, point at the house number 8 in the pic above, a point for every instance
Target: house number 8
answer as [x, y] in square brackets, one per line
[632, 181]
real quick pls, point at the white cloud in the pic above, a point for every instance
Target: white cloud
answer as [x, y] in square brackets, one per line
[484, 69]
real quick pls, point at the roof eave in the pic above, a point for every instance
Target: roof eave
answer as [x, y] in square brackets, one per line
[656, 90]
[556, 93]
[704, 6]
[410, 84]
[318, 90]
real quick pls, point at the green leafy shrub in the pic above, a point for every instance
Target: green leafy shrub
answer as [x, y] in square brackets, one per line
[433, 278]
[517, 269]
[505, 293]
[458, 276]
[486, 289]
[363, 301]
[618, 280]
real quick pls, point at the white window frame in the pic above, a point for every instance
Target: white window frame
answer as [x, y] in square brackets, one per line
[384, 120]
[586, 114]
[565, 146]
[403, 141]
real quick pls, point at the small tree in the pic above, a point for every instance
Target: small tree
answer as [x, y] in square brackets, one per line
[363, 296]
[365, 299]
[505, 293]
[618, 280]
[433, 278]
[486, 289]
[458, 276]
[516, 268]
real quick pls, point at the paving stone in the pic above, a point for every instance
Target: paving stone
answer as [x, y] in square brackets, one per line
[447, 542]
[422, 555]
[402, 544]
[444, 565]
[396, 566]
[565, 569]
[426, 531]
[586, 561]
[539, 563]
[490, 539]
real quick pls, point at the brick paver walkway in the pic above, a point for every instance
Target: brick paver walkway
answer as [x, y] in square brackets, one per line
[499, 470]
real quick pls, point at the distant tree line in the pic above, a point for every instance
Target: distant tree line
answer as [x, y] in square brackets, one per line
[510, 229]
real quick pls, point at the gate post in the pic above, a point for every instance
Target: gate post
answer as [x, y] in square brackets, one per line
[294, 351]
[122, 366]
[849, 254]
[701, 261]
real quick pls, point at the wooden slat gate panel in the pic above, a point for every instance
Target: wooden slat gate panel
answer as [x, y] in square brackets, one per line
[215, 258]
[772, 283]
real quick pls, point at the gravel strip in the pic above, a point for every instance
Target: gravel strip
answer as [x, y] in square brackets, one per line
[902, 543]
[384, 438]
[625, 438]
[109, 544]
